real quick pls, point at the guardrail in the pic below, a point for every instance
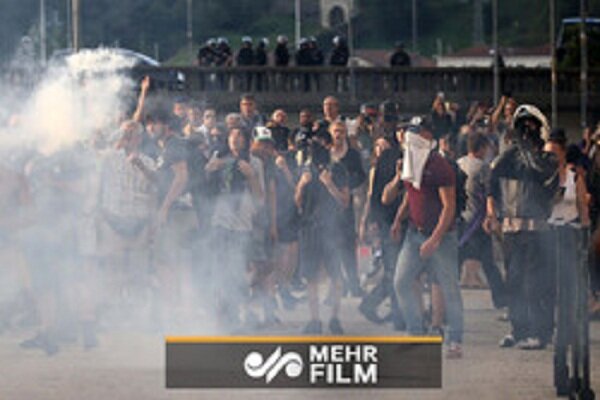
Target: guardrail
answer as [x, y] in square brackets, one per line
[414, 88]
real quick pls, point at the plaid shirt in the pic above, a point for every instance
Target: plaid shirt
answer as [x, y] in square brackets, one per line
[124, 190]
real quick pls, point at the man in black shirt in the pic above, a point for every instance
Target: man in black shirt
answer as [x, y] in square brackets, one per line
[350, 158]
[400, 57]
[322, 194]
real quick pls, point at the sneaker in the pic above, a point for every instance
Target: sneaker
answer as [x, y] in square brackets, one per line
[454, 351]
[531, 343]
[370, 314]
[507, 341]
[288, 300]
[335, 326]
[435, 331]
[41, 341]
[503, 317]
[313, 327]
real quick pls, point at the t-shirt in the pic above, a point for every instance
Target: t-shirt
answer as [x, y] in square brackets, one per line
[319, 207]
[424, 204]
[385, 169]
[284, 192]
[174, 150]
[235, 208]
[476, 186]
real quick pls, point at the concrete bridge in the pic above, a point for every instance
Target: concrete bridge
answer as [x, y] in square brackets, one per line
[413, 88]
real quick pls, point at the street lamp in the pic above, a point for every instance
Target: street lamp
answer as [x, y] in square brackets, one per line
[584, 62]
[75, 24]
[43, 49]
[553, 73]
[190, 31]
[297, 22]
[496, 54]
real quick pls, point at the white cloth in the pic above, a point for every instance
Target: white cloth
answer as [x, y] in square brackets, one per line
[565, 210]
[416, 153]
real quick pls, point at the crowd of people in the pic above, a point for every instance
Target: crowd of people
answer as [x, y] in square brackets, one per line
[236, 218]
[217, 52]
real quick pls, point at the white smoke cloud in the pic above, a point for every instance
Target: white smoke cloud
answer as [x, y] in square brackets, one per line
[76, 98]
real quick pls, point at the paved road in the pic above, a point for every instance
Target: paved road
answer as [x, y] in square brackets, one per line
[131, 366]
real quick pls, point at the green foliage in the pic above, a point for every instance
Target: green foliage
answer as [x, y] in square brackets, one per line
[142, 24]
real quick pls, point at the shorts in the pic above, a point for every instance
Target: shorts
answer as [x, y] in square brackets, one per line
[319, 249]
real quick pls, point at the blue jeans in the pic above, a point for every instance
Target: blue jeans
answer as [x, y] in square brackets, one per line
[443, 263]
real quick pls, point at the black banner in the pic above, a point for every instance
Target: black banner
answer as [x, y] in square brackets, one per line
[304, 362]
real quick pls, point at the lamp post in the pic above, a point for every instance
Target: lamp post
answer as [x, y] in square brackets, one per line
[75, 13]
[414, 26]
[583, 40]
[190, 30]
[297, 22]
[43, 49]
[553, 66]
[496, 54]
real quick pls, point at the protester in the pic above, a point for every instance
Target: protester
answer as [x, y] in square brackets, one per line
[430, 205]
[475, 245]
[526, 207]
[239, 179]
[322, 194]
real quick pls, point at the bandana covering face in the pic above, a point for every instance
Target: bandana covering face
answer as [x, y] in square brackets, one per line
[417, 151]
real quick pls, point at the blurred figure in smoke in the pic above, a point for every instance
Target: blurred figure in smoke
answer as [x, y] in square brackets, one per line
[172, 223]
[264, 234]
[239, 180]
[526, 179]
[322, 197]
[180, 115]
[475, 245]
[127, 201]
[51, 242]
[15, 199]
[193, 120]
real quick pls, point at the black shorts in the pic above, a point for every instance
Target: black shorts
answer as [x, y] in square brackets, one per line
[472, 248]
[319, 249]
[287, 229]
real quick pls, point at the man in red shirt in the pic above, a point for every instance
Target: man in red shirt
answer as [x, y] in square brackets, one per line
[431, 242]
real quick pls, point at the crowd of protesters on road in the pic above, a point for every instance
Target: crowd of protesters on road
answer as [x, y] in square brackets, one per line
[192, 213]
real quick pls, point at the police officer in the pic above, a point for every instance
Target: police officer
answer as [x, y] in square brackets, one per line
[341, 53]
[282, 54]
[400, 57]
[245, 56]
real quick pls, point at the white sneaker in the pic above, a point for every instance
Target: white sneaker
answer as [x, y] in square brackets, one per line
[530, 343]
[454, 351]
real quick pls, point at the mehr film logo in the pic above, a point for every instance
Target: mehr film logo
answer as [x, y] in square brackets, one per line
[326, 363]
[303, 362]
